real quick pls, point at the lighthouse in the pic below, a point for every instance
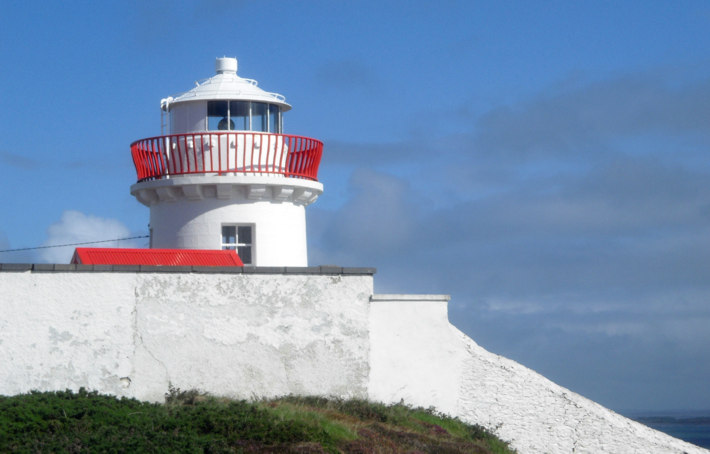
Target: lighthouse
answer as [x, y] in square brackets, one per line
[223, 175]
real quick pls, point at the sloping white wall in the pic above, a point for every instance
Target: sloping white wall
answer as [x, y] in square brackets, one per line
[317, 331]
[417, 356]
[537, 415]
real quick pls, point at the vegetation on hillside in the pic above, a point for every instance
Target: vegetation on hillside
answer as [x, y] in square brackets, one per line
[195, 423]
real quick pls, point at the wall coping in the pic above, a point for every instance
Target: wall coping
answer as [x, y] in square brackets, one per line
[70, 268]
[408, 297]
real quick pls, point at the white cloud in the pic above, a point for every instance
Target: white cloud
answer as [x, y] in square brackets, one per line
[76, 227]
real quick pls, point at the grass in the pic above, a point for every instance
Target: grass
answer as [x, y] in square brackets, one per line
[82, 422]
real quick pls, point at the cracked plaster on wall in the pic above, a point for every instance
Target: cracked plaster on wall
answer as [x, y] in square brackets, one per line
[257, 334]
[55, 335]
[537, 415]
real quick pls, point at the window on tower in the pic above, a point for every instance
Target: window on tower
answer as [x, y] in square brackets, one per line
[243, 116]
[218, 115]
[240, 238]
[259, 119]
[239, 111]
[274, 119]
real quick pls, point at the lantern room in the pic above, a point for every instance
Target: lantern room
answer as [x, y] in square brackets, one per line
[223, 175]
[224, 102]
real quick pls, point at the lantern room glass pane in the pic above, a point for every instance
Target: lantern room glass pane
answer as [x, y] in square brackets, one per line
[217, 116]
[274, 118]
[259, 116]
[239, 112]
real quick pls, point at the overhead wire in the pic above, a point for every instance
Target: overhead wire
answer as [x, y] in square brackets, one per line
[74, 244]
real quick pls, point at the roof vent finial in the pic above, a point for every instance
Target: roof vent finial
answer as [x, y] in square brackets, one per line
[226, 65]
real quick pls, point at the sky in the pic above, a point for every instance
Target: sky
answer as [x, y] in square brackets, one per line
[543, 162]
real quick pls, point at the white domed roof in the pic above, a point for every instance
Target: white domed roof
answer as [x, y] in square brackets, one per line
[227, 85]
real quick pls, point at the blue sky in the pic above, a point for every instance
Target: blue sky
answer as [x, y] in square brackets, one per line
[545, 163]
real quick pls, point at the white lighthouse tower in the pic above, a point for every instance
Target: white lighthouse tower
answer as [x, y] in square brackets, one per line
[224, 176]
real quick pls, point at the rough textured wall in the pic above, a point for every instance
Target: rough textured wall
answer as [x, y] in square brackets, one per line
[134, 334]
[310, 332]
[538, 416]
[66, 330]
[253, 335]
[418, 357]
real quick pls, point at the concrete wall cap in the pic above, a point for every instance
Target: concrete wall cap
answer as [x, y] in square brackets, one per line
[165, 269]
[64, 267]
[70, 268]
[218, 269]
[43, 267]
[102, 268]
[124, 268]
[331, 269]
[302, 270]
[264, 269]
[15, 267]
[359, 270]
[407, 297]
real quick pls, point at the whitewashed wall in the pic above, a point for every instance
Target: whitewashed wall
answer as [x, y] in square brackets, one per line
[418, 357]
[134, 334]
[317, 330]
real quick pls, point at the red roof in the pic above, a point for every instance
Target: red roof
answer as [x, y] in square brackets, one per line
[165, 257]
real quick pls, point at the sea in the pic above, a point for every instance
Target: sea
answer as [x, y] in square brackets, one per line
[691, 426]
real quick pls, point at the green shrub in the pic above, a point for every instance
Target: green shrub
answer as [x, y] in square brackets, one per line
[191, 421]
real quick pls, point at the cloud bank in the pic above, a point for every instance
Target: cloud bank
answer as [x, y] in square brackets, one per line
[572, 222]
[76, 227]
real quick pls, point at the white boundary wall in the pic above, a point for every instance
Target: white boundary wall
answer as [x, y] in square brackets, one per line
[417, 356]
[271, 332]
[134, 334]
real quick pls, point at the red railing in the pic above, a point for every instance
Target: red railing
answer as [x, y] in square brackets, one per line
[226, 153]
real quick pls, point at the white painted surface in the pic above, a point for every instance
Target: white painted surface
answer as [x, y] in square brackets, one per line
[57, 331]
[537, 416]
[418, 357]
[252, 335]
[188, 213]
[226, 65]
[188, 117]
[405, 363]
[233, 335]
[228, 85]
[279, 229]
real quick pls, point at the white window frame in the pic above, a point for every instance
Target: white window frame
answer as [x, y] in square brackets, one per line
[237, 244]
